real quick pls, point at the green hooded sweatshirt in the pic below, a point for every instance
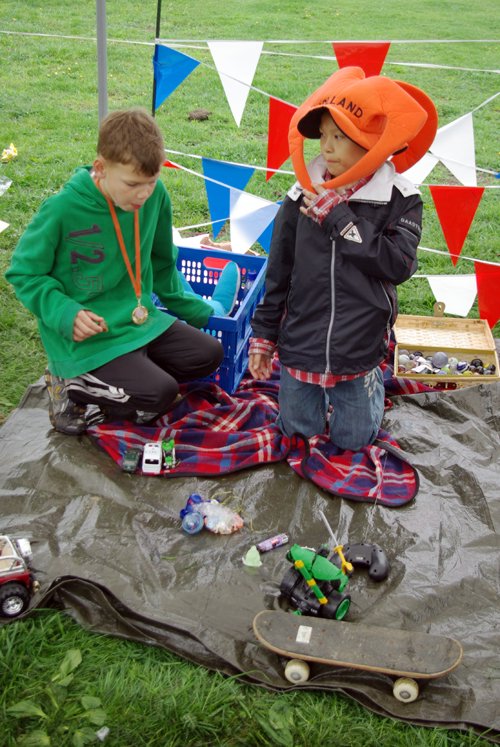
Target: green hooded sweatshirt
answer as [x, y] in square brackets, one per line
[69, 259]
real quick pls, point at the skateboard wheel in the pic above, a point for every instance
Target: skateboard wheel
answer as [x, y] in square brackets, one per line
[405, 690]
[297, 671]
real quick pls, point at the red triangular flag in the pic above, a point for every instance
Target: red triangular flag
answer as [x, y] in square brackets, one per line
[368, 55]
[280, 114]
[488, 297]
[456, 207]
[170, 165]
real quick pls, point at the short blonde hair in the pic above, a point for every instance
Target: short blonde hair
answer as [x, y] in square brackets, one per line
[132, 136]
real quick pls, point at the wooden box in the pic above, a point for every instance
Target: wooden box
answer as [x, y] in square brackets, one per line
[464, 339]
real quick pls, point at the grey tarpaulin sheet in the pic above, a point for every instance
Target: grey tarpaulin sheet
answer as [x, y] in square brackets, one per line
[109, 548]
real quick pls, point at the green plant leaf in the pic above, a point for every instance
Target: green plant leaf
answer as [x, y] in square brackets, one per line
[63, 681]
[26, 709]
[278, 737]
[37, 738]
[96, 716]
[89, 702]
[84, 736]
[71, 661]
[280, 715]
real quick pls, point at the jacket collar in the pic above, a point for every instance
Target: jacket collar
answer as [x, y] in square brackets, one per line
[378, 189]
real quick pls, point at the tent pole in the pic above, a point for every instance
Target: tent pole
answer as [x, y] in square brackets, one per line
[157, 36]
[102, 65]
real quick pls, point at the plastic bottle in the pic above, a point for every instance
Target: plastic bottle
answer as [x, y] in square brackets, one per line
[250, 280]
[193, 522]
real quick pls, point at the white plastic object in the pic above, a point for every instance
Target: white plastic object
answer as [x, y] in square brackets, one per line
[297, 671]
[219, 518]
[152, 458]
[405, 689]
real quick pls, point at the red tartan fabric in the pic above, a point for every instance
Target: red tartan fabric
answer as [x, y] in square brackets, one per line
[217, 433]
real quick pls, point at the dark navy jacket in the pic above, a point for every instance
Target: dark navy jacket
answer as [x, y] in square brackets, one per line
[330, 298]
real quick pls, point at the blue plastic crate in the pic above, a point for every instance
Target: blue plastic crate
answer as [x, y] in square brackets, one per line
[201, 268]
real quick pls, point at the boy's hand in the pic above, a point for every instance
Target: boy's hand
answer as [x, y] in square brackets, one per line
[318, 204]
[260, 366]
[87, 324]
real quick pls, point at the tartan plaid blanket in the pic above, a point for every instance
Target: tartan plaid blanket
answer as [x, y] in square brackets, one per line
[216, 433]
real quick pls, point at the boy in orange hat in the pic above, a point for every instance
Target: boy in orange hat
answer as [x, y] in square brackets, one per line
[345, 236]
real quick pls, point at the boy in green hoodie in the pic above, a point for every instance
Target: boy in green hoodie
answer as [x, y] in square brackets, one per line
[87, 266]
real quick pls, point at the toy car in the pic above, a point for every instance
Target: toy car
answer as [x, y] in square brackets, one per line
[169, 458]
[152, 458]
[314, 584]
[17, 583]
[131, 460]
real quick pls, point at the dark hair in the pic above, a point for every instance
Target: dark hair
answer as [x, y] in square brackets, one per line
[132, 136]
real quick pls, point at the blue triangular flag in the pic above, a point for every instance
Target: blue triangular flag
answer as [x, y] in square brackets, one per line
[265, 238]
[170, 69]
[218, 195]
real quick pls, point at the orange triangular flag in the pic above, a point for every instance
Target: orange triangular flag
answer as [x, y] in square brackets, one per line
[488, 297]
[370, 56]
[456, 207]
[280, 114]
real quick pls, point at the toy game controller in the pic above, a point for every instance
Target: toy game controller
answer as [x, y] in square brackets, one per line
[368, 556]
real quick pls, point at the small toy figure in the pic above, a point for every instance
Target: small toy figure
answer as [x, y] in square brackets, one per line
[17, 583]
[169, 458]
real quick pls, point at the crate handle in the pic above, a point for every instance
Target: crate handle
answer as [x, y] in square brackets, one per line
[214, 263]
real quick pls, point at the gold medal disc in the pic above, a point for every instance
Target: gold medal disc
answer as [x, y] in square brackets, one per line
[140, 314]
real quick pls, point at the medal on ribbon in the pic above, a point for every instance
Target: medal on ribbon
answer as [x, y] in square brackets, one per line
[139, 313]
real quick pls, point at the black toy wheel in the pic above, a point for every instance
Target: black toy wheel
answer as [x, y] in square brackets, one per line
[336, 608]
[14, 599]
[289, 581]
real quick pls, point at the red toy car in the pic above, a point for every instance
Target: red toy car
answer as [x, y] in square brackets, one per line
[17, 583]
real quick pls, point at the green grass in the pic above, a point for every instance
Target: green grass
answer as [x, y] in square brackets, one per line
[48, 99]
[153, 699]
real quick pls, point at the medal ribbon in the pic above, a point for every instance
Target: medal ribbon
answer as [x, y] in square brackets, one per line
[135, 280]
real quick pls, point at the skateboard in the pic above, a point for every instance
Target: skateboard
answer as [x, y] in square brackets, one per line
[407, 656]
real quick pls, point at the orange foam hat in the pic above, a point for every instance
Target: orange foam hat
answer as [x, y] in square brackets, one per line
[386, 117]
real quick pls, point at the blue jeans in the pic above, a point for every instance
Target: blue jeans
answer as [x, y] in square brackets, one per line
[358, 409]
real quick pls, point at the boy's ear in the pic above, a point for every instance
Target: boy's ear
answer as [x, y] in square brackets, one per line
[99, 167]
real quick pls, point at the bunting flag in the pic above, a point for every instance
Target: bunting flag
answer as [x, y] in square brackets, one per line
[419, 172]
[454, 146]
[457, 292]
[170, 165]
[236, 63]
[170, 68]
[456, 207]
[280, 114]
[265, 238]
[223, 175]
[488, 282]
[250, 216]
[370, 56]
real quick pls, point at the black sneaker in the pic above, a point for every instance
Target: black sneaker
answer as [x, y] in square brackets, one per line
[140, 417]
[64, 414]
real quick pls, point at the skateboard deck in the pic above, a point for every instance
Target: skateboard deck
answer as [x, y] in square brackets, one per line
[400, 653]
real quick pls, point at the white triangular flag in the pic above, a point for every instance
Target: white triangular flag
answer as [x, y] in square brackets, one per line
[457, 292]
[250, 216]
[236, 63]
[454, 146]
[419, 172]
